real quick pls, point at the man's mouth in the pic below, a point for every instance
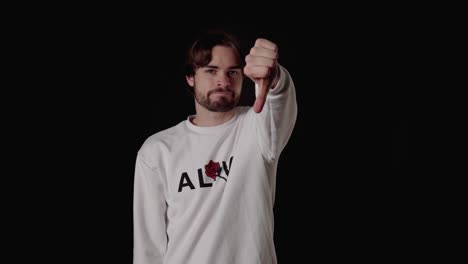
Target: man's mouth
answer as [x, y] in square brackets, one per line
[221, 92]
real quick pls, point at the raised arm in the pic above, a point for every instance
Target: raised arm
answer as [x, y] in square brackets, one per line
[275, 105]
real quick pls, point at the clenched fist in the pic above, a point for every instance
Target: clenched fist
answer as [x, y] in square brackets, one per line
[262, 68]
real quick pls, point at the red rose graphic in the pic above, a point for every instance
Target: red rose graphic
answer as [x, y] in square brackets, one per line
[213, 170]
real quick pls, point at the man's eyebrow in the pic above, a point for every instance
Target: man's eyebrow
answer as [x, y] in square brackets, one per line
[216, 67]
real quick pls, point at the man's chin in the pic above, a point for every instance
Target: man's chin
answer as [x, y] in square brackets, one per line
[221, 108]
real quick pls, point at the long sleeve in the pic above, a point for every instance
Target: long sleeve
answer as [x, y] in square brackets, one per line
[149, 215]
[276, 121]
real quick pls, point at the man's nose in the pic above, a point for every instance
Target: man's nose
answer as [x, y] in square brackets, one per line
[223, 80]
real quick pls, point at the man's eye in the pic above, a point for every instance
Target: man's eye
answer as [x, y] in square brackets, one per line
[234, 73]
[210, 71]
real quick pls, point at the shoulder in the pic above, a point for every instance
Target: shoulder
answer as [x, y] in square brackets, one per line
[161, 141]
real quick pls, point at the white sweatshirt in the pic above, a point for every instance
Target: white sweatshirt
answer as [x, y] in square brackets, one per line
[205, 195]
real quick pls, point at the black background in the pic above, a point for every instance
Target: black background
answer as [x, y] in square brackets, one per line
[103, 82]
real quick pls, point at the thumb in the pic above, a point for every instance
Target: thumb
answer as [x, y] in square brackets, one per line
[263, 85]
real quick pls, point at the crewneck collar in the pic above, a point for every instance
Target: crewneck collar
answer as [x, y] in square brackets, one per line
[211, 129]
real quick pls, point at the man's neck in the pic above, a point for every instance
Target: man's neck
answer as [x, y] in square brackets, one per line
[206, 118]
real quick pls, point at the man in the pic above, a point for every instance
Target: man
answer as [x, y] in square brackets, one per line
[204, 189]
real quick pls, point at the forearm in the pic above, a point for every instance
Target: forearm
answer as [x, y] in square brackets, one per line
[276, 122]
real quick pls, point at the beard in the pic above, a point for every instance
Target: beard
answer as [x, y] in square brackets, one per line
[221, 103]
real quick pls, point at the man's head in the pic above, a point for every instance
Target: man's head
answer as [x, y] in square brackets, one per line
[214, 71]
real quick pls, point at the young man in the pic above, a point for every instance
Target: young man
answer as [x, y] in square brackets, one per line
[205, 189]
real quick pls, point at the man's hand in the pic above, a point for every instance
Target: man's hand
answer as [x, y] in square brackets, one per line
[262, 68]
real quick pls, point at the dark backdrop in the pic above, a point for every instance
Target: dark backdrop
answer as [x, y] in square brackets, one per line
[110, 81]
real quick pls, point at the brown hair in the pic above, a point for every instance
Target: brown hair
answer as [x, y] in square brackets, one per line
[199, 54]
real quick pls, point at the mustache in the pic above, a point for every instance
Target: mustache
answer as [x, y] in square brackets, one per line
[221, 90]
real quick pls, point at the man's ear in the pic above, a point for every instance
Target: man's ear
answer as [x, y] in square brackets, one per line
[190, 80]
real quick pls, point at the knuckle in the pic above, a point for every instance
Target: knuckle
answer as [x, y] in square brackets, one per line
[274, 47]
[247, 70]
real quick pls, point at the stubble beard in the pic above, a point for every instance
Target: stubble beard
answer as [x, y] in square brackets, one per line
[222, 104]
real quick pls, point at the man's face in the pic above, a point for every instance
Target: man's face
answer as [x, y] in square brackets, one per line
[217, 86]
